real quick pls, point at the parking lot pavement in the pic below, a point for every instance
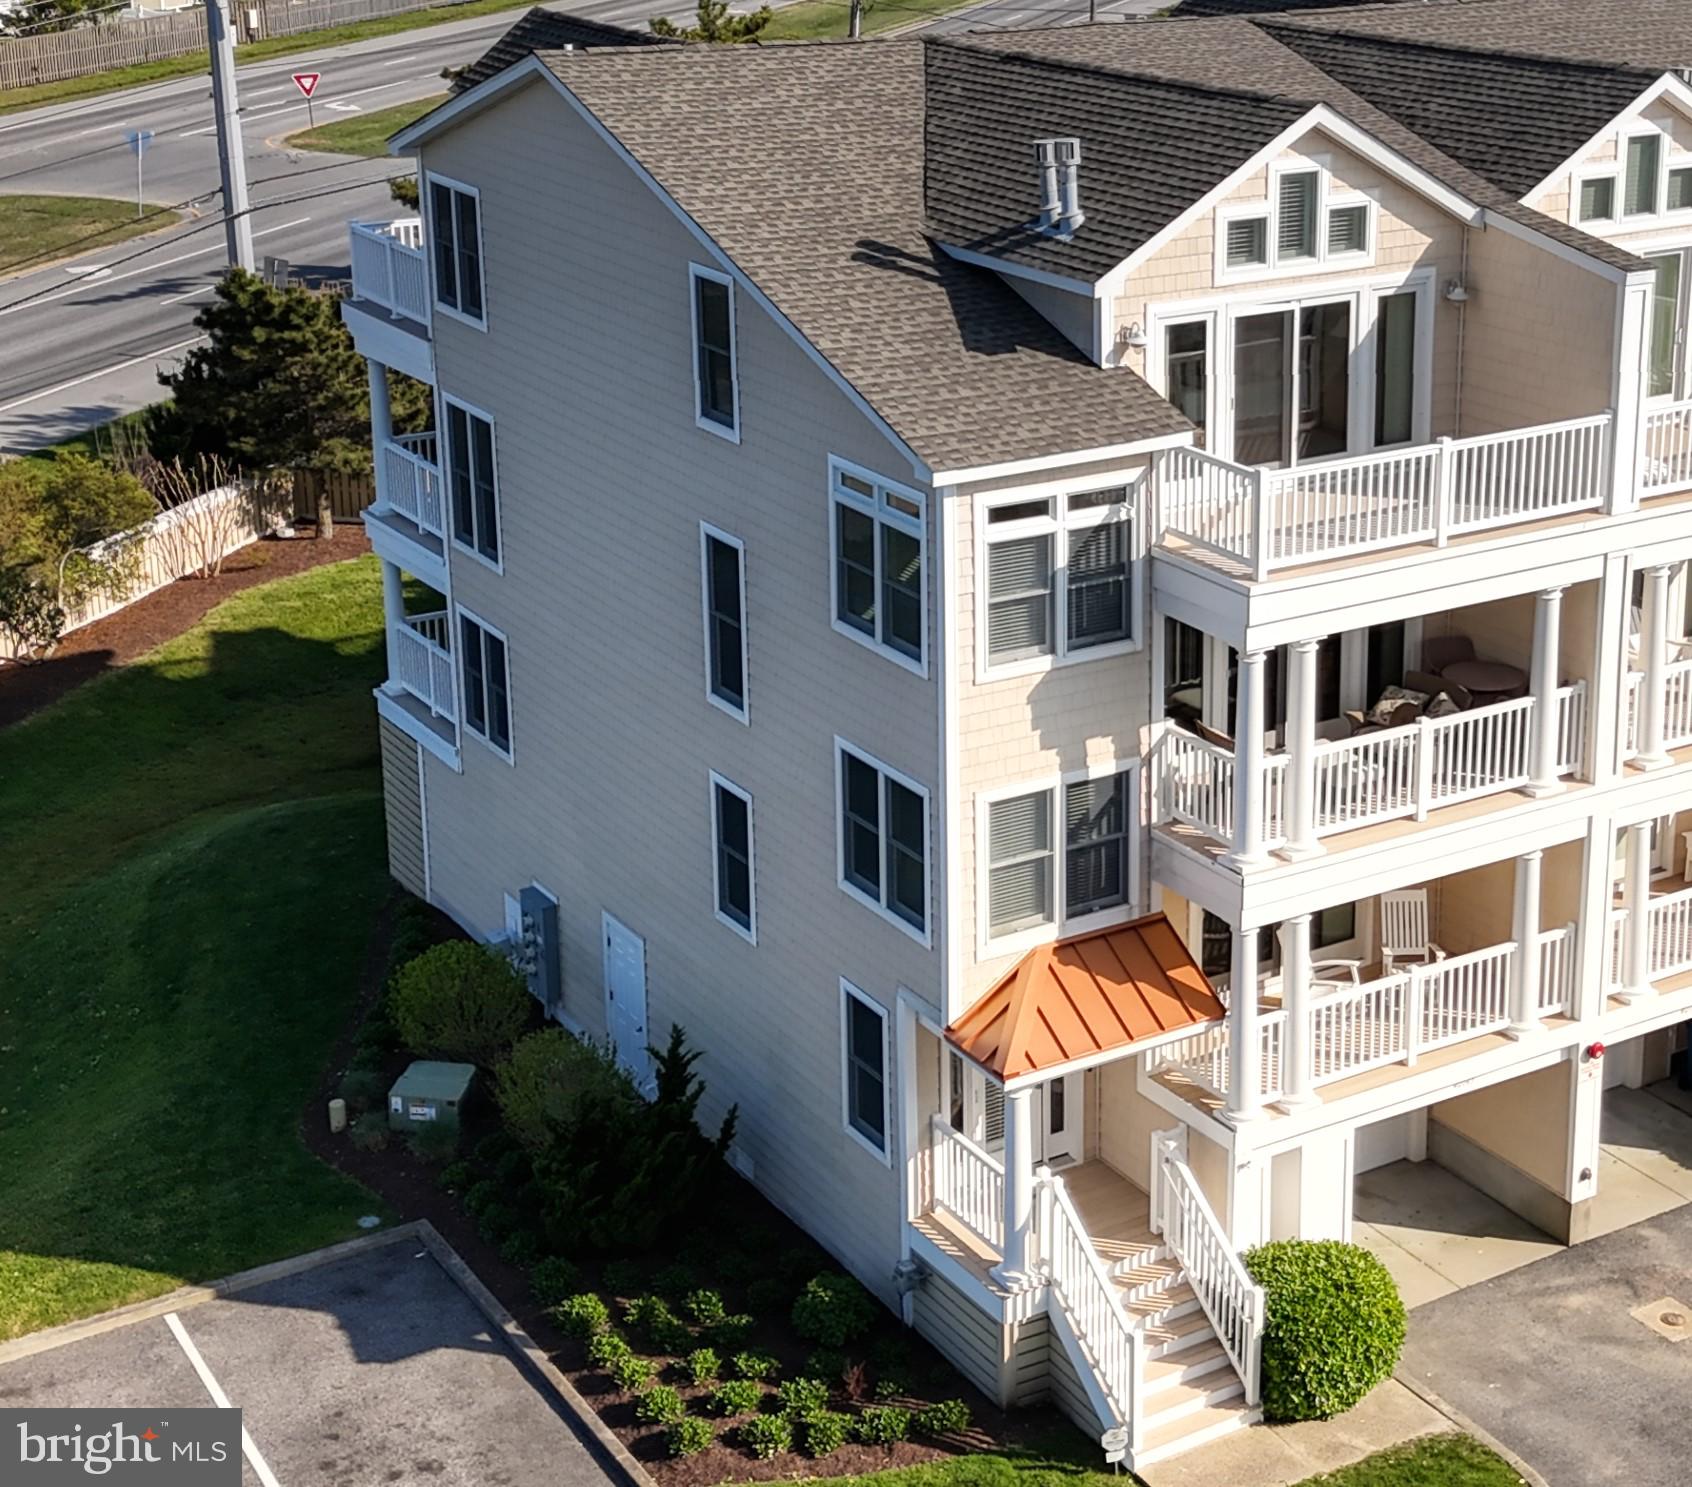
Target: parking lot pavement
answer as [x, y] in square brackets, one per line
[369, 1370]
[1551, 1361]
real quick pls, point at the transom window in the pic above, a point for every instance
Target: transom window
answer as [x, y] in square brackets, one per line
[1061, 576]
[472, 480]
[864, 1047]
[879, 543]
[723, 577]
[715, 383]
[1307, 219]
[731, 867]
[485, 681]
[455, 219]
[884, 840]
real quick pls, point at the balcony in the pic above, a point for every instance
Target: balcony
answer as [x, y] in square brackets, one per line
[421, 660]
[390, 267]
[409, 481]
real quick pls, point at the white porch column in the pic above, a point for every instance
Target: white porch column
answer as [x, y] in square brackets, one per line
[1297, 1074]
[1301, 743]
[393, 611]
[381, 421]
[1245, 1085]
[1016, 1266]
[1653, 651]
[1248, 761]
[1636, 961]
[1524, 978]
[1547, 642]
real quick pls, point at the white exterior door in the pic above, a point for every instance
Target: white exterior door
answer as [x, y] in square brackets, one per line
[1057, 1121]
[625, 996]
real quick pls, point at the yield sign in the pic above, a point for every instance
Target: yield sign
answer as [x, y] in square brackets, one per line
[307, 82]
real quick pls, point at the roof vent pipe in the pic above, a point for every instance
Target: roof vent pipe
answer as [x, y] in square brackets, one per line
[1045, 154]
[1060, 189]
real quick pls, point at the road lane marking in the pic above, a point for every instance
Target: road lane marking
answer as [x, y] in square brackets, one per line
[177, 299]
[48, 392]
[261, 1468]
[250, 114]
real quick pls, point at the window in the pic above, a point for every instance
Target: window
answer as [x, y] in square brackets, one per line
[724, 584]
[487, 692]
[1348, 230]
[1292, 384]
[731, 868]
[1307, 219]
[472, 480]
[1028, 875]
[1598, 199]
[1295, 215]
[878, 564]
[455, 218]
[864, 1034]
[1095, 836]
[1248, 242]
[1034, 608]
[884, 840]
[1330, 927]
[1186, 371]
[1395, 368]
[1680, 189]
[1668, 320]
[1644, 159]
[715, 386]
[1021, 863]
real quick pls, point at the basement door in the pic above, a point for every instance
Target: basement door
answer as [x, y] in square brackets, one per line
[625, 997]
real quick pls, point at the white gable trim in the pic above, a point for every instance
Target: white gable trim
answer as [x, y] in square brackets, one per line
[1667, 86]
[1064, 459]
[532, 66]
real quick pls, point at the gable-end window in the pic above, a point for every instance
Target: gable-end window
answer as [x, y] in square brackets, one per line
[883, 840]
[455, 214]
[1295, 215]
[1644, 161]
[1680, 189]
[864, 1050]
[1348, 230]
[1308, 218]
[716, 385]
[1248, 242]
[723, 576]
[1598, 199]
[731, 866]
[472, 481]
[485, 682]
[878, 563]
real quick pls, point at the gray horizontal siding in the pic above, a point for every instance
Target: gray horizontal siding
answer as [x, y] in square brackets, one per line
[1068, 1393]
[1030, 1362]
[964, 1334]
[402, 802]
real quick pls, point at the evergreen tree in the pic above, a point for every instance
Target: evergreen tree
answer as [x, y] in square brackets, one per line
[712, 22]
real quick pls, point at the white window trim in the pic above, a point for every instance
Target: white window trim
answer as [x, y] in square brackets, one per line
[1624, 141]
[426, 202]
[1671, 157]
[1059, 525]
[444, 435]
[460, 613]
[1578, 182]
[883, 1153]
[1062, 925]
[923, 936]
[915, 526]
[743, 713]
[747, 932]
[696, 272]
[1328, 196]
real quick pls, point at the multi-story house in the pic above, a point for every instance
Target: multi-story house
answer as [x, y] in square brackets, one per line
[1101, 614]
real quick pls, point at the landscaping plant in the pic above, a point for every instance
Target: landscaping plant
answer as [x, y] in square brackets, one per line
[824, 1432]
[554, 1279]
[633, 1374]
[460, 1001]
[753, 1365]
[833, 1309]
[948, 1417]
[607, 1349]
[736, 1397]
[882, 1425]
[702, 1366]
[801, 1397]
[689, 1435]
[1333, 1327]
[659, 1405]
[766, 1435]
[583, 1315]
[545, 1072]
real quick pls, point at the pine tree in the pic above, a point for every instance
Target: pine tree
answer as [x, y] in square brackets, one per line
[712, 22]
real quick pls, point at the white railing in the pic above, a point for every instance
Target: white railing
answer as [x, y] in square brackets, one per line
[968, 1183]
[1677, 704]
[1201, 1056]
[1232, 1301]
[1571, 728]
[1557, 972]
[1460, 998]
[1366, 1027]
[1476, 753]
[1618, 948]
[1666, 450]
[1346, 507]
[1366, 779]
[411, 481]
[390, 266]
[1198, 786]
[422, 662]
[1670, 919]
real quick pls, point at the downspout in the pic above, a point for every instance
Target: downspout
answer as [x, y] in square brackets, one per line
[1462, 327]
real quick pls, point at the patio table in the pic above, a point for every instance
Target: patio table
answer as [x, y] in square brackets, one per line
[1496, 681]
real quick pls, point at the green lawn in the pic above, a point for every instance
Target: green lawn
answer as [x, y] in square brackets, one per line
[37, 229]
[811, 20]
[194, 858]
[362, 134]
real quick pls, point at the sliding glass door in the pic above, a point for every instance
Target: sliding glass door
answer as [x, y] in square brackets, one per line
[1663, 374]
[1292, 383]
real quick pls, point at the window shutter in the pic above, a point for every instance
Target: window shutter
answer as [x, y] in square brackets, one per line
[1295, 229]
[993, 1116]
[1248, 241]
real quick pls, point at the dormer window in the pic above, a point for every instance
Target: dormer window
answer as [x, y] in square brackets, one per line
[1308, 220]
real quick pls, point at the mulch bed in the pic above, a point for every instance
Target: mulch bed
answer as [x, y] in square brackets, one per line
[164, 614]
[410, 1185]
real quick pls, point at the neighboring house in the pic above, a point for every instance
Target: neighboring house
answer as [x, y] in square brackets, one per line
[949, 578]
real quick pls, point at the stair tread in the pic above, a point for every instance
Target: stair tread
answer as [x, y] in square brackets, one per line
[1160, 1301]
[1174, 1363]
[1195, 1421]
[1176, 1396]
[1178, 1327]
[1148, 1273]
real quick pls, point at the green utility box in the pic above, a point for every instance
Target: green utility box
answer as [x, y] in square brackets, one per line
[429, 1093]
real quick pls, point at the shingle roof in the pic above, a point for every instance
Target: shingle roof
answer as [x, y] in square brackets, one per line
[824, 212]
[547, 30]
[1149, 150]
[1204, 10]
[1513, 118]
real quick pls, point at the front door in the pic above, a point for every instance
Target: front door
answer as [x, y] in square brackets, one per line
[1057, 1121]
[625, 997]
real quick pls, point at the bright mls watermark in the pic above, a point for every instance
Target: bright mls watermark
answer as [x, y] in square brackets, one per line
[165, 1448]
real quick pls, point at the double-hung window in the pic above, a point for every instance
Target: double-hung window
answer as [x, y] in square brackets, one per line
[472, 481]
[883, 840]
[455, 217]
[731, 868]
[716, 386]
[864, 1052]
[1060, 578]
[723, 560]
[878, 563]
[486, 682]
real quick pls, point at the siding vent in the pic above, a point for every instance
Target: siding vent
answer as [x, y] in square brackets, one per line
[1060, 187]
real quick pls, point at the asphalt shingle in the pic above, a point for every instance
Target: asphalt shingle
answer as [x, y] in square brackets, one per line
[548, 30]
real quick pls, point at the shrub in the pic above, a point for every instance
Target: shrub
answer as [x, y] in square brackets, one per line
[832, 1309]
[730, 1334]
[689, 1435]
[703, 1366]
[433, 1142]
[582, 1315]
[826, 1363]
[633, 1374]
[608, 1349]
[673, 1282]
[512, 1171]
[705, 1307]
[491, 1149]
[651, 1316]
[457, 1177]
[801, 1397]
[854, 1381]
[520, 1249]
[459, 1001]
[1333, 1329]
[882, 1425]
[825, 1431]
[948, 1417]
[736, 1397]
[370, 1131]
[537, 1082]
[753, 1365]
[766, 1435]
[553, 1279]
[364, 1089]
[767, 1293]
[497, 1222]
[482, 1195]
[659, 1405]
[624, 1277]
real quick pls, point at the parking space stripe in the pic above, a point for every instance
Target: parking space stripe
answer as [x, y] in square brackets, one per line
[260, 1466]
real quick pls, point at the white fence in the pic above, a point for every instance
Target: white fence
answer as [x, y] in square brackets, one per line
[968, 1183]
[389, 266]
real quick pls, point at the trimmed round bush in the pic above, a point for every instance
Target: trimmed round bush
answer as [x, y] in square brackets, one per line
[461, 1002]
[535, 1084]
[801, 1397]
[689, 1435]
[583, 1315]
[947, 1417]
[633, 1374]
[736, 1397]
[882, 1425]
[832, 1310]
[824, 1431]
[753, 1365]
[608, 1349]
[659, 1405]
[766, 1436]
[703, 1366]
[1333, 1328]
[554, 1279]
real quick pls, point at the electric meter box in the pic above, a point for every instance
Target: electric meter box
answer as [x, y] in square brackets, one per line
[429, 1093]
